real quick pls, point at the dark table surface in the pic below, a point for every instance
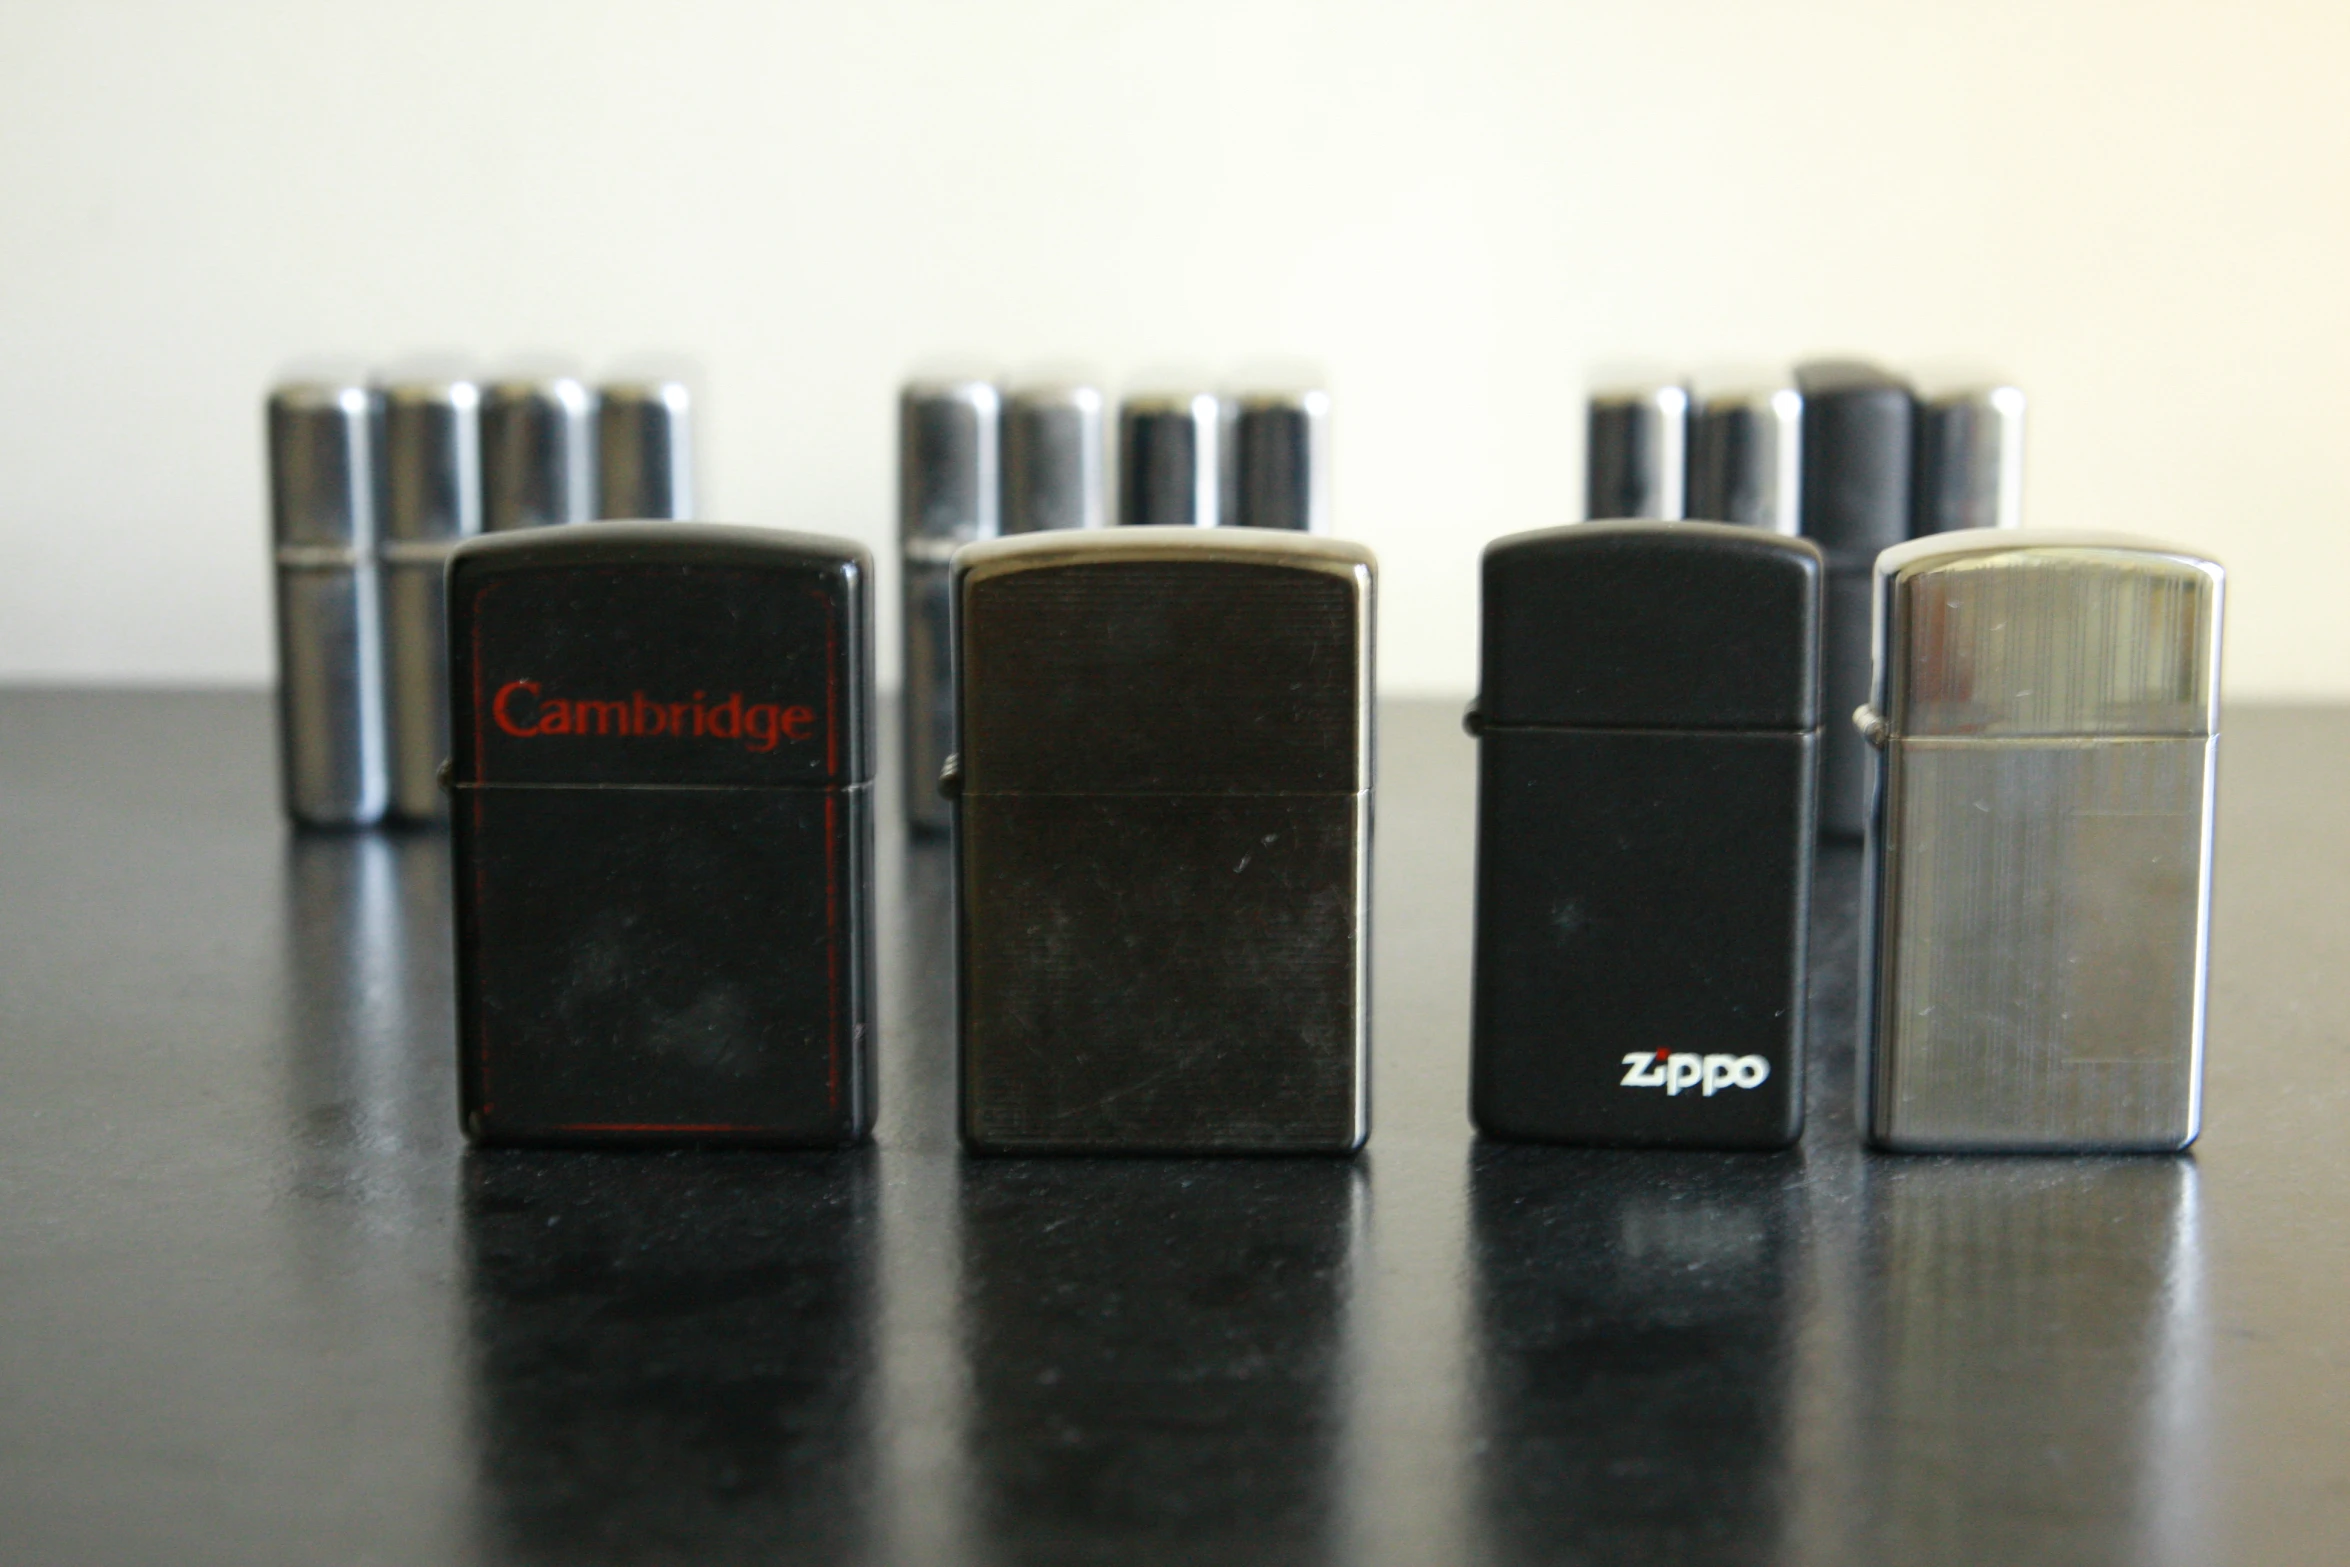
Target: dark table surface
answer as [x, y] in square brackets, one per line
[258, 1304]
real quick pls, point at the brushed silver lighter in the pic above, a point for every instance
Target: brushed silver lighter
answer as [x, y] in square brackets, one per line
[1746, 452]
[1055, 455]
[1970, 456]
[1636, 450]
[432, 490]
[1280, 460]
[644, 448]
[325, 434]
[1171, 458]
[2045, 718]
[538, 450]
[949, 487]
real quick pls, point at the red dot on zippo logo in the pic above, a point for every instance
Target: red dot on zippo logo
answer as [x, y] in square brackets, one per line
[1665, 1054]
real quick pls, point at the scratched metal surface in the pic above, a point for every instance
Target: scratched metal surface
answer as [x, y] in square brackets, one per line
[257, 1304]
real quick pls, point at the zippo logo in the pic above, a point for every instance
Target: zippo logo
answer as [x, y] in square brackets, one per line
[1674, 1070]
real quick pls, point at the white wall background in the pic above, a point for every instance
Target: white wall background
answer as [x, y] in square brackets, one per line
[2140, 208]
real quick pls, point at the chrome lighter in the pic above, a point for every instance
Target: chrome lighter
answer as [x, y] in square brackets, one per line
[2046, 716]
[1859, 440]
[538, 450]
[1970, 458]
[644, 448]
[1170, 458]
[1280, 439]
[1055, 452]
[325, 493]
[1636, 450]
[1163, 820]
[432, 469]
[1746, 453]
[948, 490]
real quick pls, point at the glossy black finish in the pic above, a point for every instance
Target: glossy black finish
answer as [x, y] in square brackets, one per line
[259, 1305]
[1648, 745]
[663, 835]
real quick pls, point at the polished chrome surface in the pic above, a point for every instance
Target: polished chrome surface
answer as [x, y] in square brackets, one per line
[432, 466]
[325, 436]
[1970, 460]
[1636, 450]
[538, 448]
[1280, 440]
[1170, 458]
[950, 483]
[2037, 935]
[1746, 453]
[645, 448]
[1055, 455]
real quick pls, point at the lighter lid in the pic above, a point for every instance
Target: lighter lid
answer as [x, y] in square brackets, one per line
[949, 479]
[2012, 633]
[1746, 452]
[645, 447]
[325, 427]
[1280, 436]
[1055, 454]
[1636, 448]
[1170, 457]
[1970, 458]
[1859, 445]
[432, 450]
[538, 448]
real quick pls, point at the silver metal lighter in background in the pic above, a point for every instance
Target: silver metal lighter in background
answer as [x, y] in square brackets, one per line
[538, 449]
[1280, 458]
[1055, 454]
[325, 433]
[645, 448]
[432, 503]
[1170, 457]
[949, 487]
[2036, 931]
[1970, 455]
[1746, 452]
[1636, 449]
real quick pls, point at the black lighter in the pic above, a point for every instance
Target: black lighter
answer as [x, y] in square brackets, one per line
[1162, 841]
[1649, 735]
[663, 835]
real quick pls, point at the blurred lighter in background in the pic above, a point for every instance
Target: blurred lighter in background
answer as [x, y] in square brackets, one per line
[2045, 708]
[1970, 457]
[1170, 458]
[949, 485]
[1281, 459]
[538, 450]
[1746, 453]
[325, 490]
[432, 501]
[1859, 429]
[1055, 455]
[644, 448]
[1635, 454]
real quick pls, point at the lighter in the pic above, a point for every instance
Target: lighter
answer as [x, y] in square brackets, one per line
[1970, 458]
[432, 466]
[949, 432]
[1746, 453]
[538, 450]
[1280, 438]
[1163, 819]
[1859, 436]
[1170, 458]
[325, 491]
[663, 835]
[1054, 454]
[2036, 928]
[644, 448]
[1648, 734]
[1636, 450]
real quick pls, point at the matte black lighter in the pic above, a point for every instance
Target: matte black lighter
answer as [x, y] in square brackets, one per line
[663, 835]
[1649, 734]
[1163, 818]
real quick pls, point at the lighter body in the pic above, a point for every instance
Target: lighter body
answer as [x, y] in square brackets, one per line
[1163, 821]
[1970, 458]
[538, 450]
[325, 436]
[645, 448]
[1648, 738]
[950, 431]
[2036, 938]
[432, 465]
[1055, 455]
[1280, 458]
[1746, 453]
[1636, 450]
[1171, 468]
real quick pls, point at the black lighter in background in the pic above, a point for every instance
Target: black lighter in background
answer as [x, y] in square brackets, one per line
[1859, 452]
[1648, 729]
[1280, 458]
[949, 488]
[1970, 456]
[663, 835]
[1636, 449]
[1171, 470]
[1163, 818]
[1746, 452]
